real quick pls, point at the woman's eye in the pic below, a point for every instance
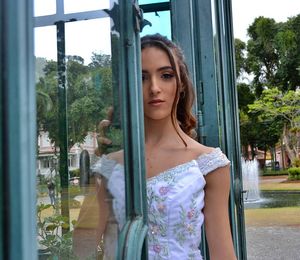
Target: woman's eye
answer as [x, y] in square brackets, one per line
[167, 76]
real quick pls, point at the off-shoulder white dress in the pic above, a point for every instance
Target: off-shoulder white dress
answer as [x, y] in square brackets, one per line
[175, 203]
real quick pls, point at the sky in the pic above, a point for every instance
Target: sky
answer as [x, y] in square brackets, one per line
[85, 37]
[245, 11]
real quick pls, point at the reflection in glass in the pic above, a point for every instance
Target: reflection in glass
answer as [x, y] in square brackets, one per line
[92, 108]
[161, 23]
[83, 38]
[45, 44]
[141, 2]
[94, 132]
[74, 6]
[44, 7]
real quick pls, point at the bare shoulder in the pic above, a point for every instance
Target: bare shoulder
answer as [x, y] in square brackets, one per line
[199, 149]
[117, 156]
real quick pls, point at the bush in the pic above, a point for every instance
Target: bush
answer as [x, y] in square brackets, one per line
[270, 172]
[56, 244]
[296, 162]
[294, 173]
[74, 173]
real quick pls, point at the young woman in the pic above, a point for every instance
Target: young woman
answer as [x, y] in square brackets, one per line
[187, 183]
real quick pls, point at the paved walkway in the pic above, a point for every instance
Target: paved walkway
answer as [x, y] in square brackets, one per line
[273, 242]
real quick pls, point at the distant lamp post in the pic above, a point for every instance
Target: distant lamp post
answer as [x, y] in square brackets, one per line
[53, 165]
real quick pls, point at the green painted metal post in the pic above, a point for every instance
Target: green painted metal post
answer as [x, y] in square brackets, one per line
[18, 132]
[2, 147]
[230, 120]
[62, 121]
[133, 126]
[182, 31]
[207, 92]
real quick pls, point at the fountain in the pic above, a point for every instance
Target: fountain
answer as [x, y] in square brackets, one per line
[250, 170]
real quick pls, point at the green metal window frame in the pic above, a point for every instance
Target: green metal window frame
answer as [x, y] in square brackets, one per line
[132, 237]
[18, 200]
[210, 56]
[224, 44]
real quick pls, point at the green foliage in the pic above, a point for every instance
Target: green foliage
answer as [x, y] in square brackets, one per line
[271, 172]
[115, 135]
[245, 96]
[273, 53]
[240, 59]
[259, 132]
[89, 93]
[296, 162]
[294, 173]
[262, 59]
[284, 108]
[50, 236]
[100, 60]
[74, 173]
[272, 56]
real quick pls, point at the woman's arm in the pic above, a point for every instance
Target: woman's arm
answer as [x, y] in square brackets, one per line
[103, 207]
[216, 220]
[91, 221]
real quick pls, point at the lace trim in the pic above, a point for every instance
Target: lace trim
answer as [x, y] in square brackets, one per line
[206, 163]
[104, 167]
[212, 161]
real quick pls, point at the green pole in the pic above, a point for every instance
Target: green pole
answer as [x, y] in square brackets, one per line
[62, 121]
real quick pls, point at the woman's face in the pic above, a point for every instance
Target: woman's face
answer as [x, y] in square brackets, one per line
[159, 84]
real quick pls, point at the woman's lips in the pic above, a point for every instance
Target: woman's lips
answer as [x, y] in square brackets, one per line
[156, 102]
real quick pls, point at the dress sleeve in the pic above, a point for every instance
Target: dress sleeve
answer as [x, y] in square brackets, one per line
[103, 167]
[212, 161]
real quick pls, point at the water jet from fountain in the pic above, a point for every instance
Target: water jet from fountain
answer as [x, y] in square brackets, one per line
[250, 170]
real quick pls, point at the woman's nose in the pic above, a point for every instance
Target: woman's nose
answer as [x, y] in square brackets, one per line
[154, 87]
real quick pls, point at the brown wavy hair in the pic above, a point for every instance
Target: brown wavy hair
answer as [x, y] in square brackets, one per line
[184, 97]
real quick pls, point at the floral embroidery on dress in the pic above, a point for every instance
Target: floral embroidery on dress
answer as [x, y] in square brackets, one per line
[188, 223]
[175, 202]
[157, 207]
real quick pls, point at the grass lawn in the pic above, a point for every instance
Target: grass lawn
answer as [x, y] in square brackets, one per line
[286, 216]
[278, 183]
[288, 186]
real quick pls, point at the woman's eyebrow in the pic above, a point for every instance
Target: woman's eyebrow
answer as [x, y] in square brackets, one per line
[160, 69]
[165, 68]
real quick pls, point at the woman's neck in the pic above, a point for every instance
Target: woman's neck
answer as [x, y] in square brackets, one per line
[158, 132]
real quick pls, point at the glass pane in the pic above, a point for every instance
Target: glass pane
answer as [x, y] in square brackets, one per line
[95, 189]
[45, 43]
[74, 6]
[44, 7]
[160, 23]
[141, 2]
[79, 42]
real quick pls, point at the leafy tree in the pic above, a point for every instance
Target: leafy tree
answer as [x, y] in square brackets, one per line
[285, 108]
[87, 98]
[262, 59]
[273, 53]
[272, 57]
[240, 59]
[100, 60]
[288, 46]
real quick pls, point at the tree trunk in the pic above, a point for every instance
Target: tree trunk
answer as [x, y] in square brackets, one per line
[286, 140]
